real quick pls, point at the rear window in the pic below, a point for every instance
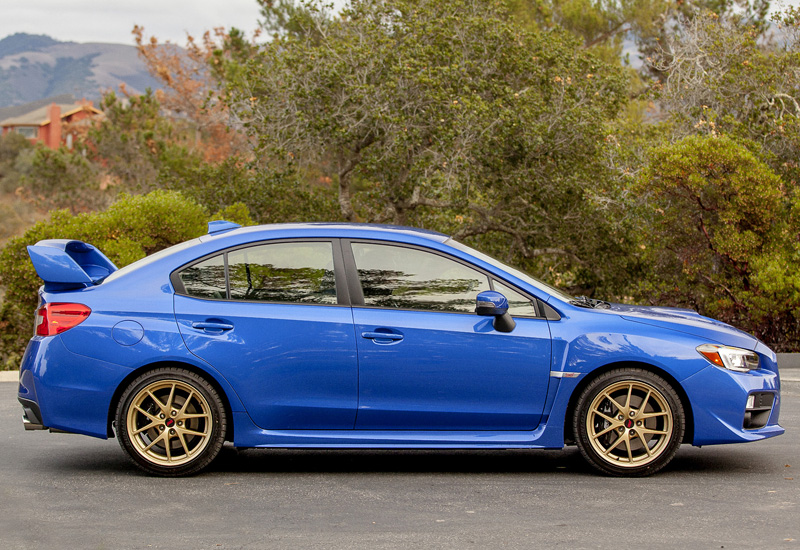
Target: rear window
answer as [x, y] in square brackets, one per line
[147, 260]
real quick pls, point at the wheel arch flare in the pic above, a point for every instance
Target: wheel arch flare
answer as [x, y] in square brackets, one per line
[223, 389]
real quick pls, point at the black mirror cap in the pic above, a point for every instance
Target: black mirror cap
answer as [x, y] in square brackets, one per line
[504, 323]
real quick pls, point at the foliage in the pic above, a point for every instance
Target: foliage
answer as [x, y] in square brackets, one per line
[269, 196]
[513, 126]
[190, 90]
[135, 143]
[13, 147]
[436, 114]
[604, 24]
[128, 230]
[58, 178]
[16, 213]
[721, 236]
[720, 78]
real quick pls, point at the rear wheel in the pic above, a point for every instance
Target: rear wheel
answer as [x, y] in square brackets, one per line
[629, 422]
[171, 422]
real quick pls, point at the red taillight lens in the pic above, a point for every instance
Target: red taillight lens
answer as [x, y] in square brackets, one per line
[56, 318]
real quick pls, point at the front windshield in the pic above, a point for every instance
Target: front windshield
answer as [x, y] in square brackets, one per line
[561, 295]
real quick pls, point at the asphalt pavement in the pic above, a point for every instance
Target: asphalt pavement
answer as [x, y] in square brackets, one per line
[70, 491]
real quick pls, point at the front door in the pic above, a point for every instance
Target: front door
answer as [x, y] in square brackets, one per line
[427, 361]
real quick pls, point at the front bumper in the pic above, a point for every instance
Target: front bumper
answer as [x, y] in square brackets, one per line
[720, 407]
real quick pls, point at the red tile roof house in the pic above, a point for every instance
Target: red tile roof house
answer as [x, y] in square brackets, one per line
[46, 124]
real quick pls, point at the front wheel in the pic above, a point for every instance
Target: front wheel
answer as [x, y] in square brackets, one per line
[171, 422]
[629, 422]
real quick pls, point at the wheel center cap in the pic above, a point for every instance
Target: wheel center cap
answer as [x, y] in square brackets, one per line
[169, 423]
[629, 423]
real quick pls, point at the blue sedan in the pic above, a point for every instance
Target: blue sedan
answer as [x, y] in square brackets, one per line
[365, 336]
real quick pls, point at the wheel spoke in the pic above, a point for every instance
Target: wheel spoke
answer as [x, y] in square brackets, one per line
[628, 445]
[154, 398]
[605, 417]
[153, 418]
[152, 424]
[628, 399]
[168, 447]
[190, 416]
[619, 440]
[171, 397]
[654, 432]
[191, 432]
[183, 443]
[616, 403]
[156, 440]
[186, 403]
[645, 400]
[653, 415]
[644, 444]
[604, 432]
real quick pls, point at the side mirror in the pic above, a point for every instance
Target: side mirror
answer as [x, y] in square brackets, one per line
[492, 303]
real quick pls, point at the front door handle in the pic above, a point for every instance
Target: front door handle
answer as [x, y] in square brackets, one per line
[379, 336]
[212, 327]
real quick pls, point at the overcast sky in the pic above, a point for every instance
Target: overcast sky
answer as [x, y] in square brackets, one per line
[112, 20]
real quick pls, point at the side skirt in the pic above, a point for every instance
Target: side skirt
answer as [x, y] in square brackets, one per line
[249, 435]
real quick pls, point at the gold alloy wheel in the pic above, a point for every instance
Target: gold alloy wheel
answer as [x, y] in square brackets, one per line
[169, 423]
[629, 424]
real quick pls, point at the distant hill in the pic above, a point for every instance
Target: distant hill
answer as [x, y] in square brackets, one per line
[35, 67]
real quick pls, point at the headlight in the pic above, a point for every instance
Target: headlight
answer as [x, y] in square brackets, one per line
[738, 359]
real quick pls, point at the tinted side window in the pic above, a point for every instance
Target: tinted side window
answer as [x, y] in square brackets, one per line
[205, 279]
[406, 278]
[283, 272]
[517, 303]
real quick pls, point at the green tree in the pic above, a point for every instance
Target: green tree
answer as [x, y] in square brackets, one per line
[721, 236]
[440, 114]
[270, 196]
[136, 144]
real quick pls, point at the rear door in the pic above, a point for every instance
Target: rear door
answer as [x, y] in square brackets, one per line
[268, 317]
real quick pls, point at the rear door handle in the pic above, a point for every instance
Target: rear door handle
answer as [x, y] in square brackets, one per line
[212, 327]
[382, 336]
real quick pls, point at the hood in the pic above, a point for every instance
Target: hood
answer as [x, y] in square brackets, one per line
[687, 321]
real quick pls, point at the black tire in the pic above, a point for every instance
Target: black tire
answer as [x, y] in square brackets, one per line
[171, 422]
[629, 422]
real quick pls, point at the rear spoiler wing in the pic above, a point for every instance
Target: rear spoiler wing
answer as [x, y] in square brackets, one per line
[64, 264]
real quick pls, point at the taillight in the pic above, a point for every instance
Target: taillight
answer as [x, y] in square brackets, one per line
[56, 318]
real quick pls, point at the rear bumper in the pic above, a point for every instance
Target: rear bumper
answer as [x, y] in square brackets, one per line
[65, 392]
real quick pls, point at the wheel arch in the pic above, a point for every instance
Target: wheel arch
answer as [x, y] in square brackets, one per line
[569, 435]
[112, 409]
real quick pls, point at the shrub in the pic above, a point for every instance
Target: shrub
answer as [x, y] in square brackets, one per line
[130, 229]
